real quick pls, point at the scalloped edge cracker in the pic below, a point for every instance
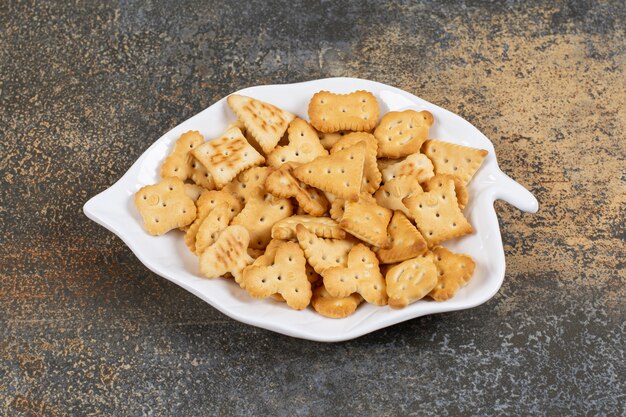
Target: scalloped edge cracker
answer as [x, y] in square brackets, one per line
[165, 206]
[415, 165]
[323, 227]
[405, 240]
[437, 182]
[449, 158]
[357, 111]
[258, 217]
[178, 164]
[323, 253]
[304, 145]
[411, 280]
[367, 221]
[371, 175]
[227, 255]
[334, 307]
[454, 272]
[401, 133]
[282, 183]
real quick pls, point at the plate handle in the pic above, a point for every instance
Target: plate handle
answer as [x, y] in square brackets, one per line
[515, 194]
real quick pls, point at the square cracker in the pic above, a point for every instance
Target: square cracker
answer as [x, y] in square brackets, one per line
[402, 133]
[165, 206]
[450, 158]
[357, 111]
[304, 145]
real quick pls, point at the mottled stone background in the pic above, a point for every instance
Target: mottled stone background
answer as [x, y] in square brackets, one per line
[85, 88]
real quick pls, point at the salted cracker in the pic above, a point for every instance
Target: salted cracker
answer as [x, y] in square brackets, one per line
[165, 206]
[304, 145]
[437, 214]
[227, 155]
[391, 193]
[438, 181]
[454, 271]
[178, 164]
[410, 281]
[266, 122]
[324, 227]
[330, 112]
[340, 173]
[371, 174]
[228, 254]
[334, 307]
[367, 221]
[258, 217]
[282, 183]
[362, 276]
[401, 133]
[458, 160]
[323, 253]
[415, 165]
[405, 240]
[250, 184]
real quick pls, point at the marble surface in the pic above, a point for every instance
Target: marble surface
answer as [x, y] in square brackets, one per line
[85, 88]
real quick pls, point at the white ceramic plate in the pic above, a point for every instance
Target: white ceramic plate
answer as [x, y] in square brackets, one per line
[169, 257]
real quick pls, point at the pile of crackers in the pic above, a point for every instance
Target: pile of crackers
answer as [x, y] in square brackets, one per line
[350, 207]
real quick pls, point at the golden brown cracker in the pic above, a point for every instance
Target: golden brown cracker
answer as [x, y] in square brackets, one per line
[334, 307]
[362, 276]
[250, 184]
[323, 253]
[401, 133]
[193, 191]
[212, 226]
[258, 217]
[458, 160]
[454, 271]
[227, 255]
[415, 165]
[282, 183]
[337, 208]
[304, 145]
[266, 122]
[410, 281]
[329, 139]
[437, 182]
[165, 206]
[367, 221]
[179, 163]
[324, 227]
[200, 175]
[227, 155]
[391, 193]
[330, 112]
[371, 174]
[437, 214]
[340, 173]
[406, 241]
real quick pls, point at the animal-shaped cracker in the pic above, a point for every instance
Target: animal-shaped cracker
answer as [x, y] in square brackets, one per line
[258, 216]
[320, 226]
[437, 182]
[367, 220]
[250, 184]
[227, 255]
[227, 155]
[340, 173]
[437, 214]
[323, 253]
[266, 122]
[282, 183]
[337, 208]
[458, 160]
[391, 193]
[165, 206]
[454, 271]
[402, 133]
[357, 111]
[334, 307]
[362, 276]
[304, 145]
[415, 165]
[406, 241]
[371, 174]
[212, 226]
[411, 280]
[285, 276]
[179, 163]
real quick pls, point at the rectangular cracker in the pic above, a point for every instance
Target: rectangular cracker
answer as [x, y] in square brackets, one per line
[357, 111]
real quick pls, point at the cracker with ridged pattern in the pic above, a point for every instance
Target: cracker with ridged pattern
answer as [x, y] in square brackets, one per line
[227, 155]
[401, 133]
[411, 280]
[165, 206]
[228, 254]
[340, 173]
[323, 253]
[266, 122]
[391, 193]
[357, 111]
[405, 240]
[367, 221]
[437, 182]
[415, 165]
[334, 307]
[304, 145]
[454, 271]
[282, 183]
[361, 275]
[324, 227]
[211, 227]
[285, 276]
[371, 174]
[458, 160]
[178, 164]
[258, 217]
[437, 214]
[250, 184]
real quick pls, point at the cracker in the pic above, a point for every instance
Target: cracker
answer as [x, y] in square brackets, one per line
[258, 216]
[340, 173]
[458, 160]
[212, 226]
[329, 139]
[415, 165]
[334, 307]
[165, 206]
[437, 182]
[385, 162]
[227, 255]
[324, 227]
[250, 184]
[362, 276]
[227, 155]
[371, 174]
[406, 241]
[266, 122]
[255, 253]
[411, 280]
[401, 133]
[454, 271]
[437, 214]
[179, 163]
[193, 191]
[200, 175]
[304, 145]
[282, 183]
[357, 111]
[251, 140]
[367, 221]
[391, 193]
[323, 253]
[337, 208]
[285, 276]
